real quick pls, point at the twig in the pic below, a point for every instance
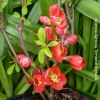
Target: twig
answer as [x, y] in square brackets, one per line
[67, 12]
[9, 43]
[59, 3]
[70, 19]
[20, 30]
[48, 94]
[52, 93]
[44, 98]
[72, 26]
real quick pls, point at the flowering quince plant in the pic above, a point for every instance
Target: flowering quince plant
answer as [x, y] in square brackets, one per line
[54, 40]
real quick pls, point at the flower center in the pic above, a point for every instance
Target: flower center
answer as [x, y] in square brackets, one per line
[58, 21]
[54, 77]
[39, 83]
[59, 51]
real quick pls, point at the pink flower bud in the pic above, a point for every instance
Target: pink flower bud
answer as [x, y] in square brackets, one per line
[71, 40]
[21, 56]
[25, 62]
[44, 20]
[76, 61]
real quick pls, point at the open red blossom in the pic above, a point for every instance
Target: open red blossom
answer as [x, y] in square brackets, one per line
[57, 17]
[20, 56]
[71, 40]
[76, 61]
[56, 79]
[59, 52]
[39, 83]
[44, 20]
[25, 62]
[50, 33]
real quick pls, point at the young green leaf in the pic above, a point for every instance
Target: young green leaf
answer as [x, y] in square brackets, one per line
[3, 4]
[28, 2]
[16, 15]
[10, 69]
[27, 22]
[41, 35]
[41, 56]
[53, 43]
[17, 68]
[24, 10]
[38, 42]
[48, 52]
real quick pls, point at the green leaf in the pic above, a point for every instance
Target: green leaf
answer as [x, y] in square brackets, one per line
[42, 35]
[16, 15]
[45, 4]
[48, 52]
[10, 69]
[38, 42]
[24, 10]
[3, 4]
[2, 44]
[91, 11]
[17, 68]
[53, 43]
[41, 56]
[36, 11]
[80, 41]
[28, 2]
[27, 22]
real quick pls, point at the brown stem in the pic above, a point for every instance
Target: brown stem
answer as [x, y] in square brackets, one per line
[48, 94]
[43, 97]
[59, 3]
[72, 26]
[20, 30]
[52, 93]
[67, 12]
[9, 43]
[70, 20]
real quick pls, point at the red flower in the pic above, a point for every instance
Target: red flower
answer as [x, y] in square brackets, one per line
[57, 17]
[59, 52]
[77, 62]
[56, 79]
[21, 56]
[44, 20]
[39, 83]
[50, 33]
[71, 39]
[25, 62]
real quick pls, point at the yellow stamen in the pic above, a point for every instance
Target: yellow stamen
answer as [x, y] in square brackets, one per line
[54, 77]
[39, 82]
[58, 21]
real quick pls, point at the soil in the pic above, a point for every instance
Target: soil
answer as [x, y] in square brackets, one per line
[65, 94]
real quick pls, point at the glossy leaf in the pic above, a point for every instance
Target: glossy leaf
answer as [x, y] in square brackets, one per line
[3, 4]
[53, 43]
[10, 69]
[17, 68]
[41, 56]
[47, 52]
[16, 15]
[24, 10]
[42, 35]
